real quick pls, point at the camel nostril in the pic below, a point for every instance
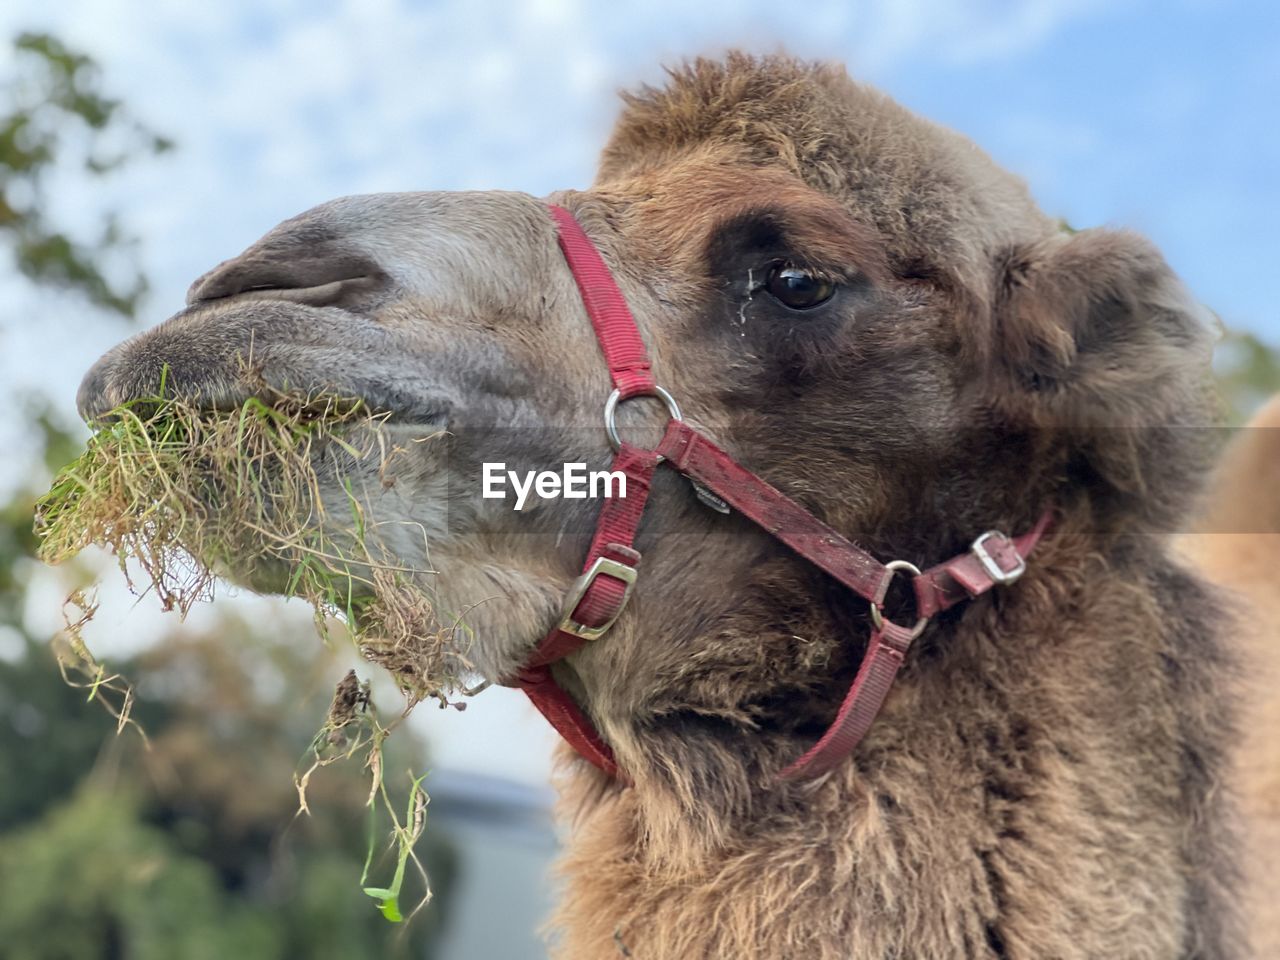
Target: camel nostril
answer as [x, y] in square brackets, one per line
[317, 280]
[334, 293]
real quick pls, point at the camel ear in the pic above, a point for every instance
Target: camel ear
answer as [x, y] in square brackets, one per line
[1099, 343]
[1097, 323]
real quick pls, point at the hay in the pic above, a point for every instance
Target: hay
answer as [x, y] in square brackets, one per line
[188, 494]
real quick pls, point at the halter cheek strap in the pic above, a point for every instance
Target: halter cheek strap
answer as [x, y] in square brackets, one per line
[598, 597]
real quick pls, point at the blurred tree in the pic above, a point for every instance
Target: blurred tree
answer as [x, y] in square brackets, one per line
[92, 880]
[55, 115]
[1248, 372]
[190, 848]
[40, 765]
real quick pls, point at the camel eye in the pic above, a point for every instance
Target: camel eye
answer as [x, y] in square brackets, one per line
[796, 288]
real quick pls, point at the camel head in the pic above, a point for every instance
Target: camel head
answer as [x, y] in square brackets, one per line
[861, 306]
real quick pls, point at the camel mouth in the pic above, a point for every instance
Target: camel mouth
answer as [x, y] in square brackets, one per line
[279, 496]
[142, 372]
[385, 406]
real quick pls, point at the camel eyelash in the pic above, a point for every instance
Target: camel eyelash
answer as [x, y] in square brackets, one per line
[795, 288]
[758, 277]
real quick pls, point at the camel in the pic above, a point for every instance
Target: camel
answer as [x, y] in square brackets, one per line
[864, 310]
[1235, 541]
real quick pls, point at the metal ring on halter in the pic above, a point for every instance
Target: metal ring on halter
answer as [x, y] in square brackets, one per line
[611, 411]
[877, 618]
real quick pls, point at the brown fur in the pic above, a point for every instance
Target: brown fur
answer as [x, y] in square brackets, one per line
[1046, 781]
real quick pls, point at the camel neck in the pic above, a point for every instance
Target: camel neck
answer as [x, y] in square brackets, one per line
[974, 820]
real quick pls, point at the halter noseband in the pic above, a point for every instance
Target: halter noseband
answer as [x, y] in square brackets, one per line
[598, 596]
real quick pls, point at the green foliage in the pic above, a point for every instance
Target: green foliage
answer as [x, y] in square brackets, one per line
[193, 847]
[406, 836]
[91, 879]
[96, 876]
[55, 111]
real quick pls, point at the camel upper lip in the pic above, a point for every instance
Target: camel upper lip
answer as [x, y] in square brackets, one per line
[125, 375]
[394, 406]
[274, 320]
[253, 342]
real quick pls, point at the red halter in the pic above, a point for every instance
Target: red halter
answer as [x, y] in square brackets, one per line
[599, 595]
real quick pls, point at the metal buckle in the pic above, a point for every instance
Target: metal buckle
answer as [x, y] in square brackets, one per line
[877, 618]
[602, 565]
[994, 570]
[611, 412]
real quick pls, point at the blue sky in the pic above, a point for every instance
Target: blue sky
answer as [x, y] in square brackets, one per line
[1167, 122]
[1160, 116]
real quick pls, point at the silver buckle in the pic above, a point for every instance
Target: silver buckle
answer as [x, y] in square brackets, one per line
[602, 565]
[994, 570]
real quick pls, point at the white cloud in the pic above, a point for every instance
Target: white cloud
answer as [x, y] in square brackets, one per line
[279, 105]
[968, 33]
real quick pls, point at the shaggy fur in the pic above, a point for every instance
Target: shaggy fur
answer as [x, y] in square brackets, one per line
[1046, 781]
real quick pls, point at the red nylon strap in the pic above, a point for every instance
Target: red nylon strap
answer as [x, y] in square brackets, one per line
[886, 649]
[936, 589]
[769, 508]
[1000, 559]
[567, 718]
[601, 602]
[965, 576]
[615, 327]
[615, 534]
[628, 363]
